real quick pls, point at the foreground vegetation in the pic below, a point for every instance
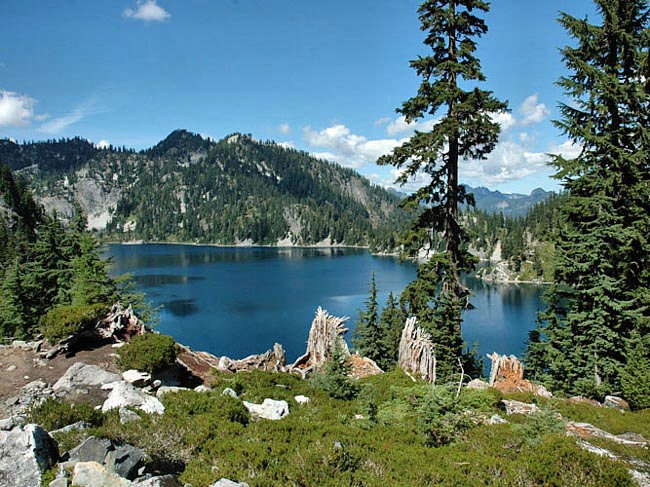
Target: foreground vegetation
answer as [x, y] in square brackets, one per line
[395, 432]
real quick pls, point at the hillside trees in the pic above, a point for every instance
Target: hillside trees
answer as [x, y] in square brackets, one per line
[598, 307]
[465, 131]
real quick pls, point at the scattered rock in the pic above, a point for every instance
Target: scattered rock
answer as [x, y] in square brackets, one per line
[126, 415]
[359, 416]
[516, 407]
[11, 422]
[25, 452]
[637, 468]
[137, 378]
[92, 474]
[11, 368]
[202, 388]
[302, 399]
[325, 331]
[159, 481]
[33, 393]
[507, 375]
[229, 392]
[417, 352]
[124, 394]
[162, 390]
[616, 403]
[586, 431]
[269, 409]
[125, 460]
[478, 384]
[228, 483]
[496, 419]
[92, 449]
[59, 482]
[84, 375]
[78, 426]
[584, 400]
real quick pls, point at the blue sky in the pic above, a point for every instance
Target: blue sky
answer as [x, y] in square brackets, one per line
[324, 77]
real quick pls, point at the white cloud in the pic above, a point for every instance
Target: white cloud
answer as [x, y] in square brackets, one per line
[42, 117]
[414, 182]
[504, 119]
[57, 125]
[346, 148]
[400, 126]
[16, 110]
[287, 144]
[284, 129]
[566, 149]
[102, 144]
[532, 111]
[147, 10]
[381, 121]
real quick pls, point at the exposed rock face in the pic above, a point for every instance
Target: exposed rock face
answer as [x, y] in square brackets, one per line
[124, 460]
[507, 375]
[586, 431]
[517, 407]
[417, 352]
[92, 474]
[124, 394]
[137, 378]
[363, 366]
[33, 393]
[616, 403]
[84, 375]
[269, 409]
[167, 389]
[228, 483]
[478, 384]
[325, 331]
[25, 452]
[271, 361]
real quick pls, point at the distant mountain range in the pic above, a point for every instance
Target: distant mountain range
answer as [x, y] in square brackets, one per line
[236, 191]
[510, 204]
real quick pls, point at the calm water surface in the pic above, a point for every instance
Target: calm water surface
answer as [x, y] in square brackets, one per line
[239, 301]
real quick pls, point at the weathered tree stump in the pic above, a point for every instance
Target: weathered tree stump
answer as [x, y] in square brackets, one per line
[417, 352]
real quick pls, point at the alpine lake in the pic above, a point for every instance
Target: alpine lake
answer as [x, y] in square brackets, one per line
[239, 301]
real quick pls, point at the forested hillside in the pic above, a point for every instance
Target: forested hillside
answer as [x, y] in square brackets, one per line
[191, 189]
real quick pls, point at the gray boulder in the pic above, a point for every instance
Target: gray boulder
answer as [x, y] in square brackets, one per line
[25, 452]
[124, 394]
[517, 407]
[616, 403]
[59, 482]
[92, 474]
[124, 460]
[228, 483]
[160, 481]
[162, 390]
[269, 409]
[92, 449]
[137, 378]
[229, 392]
[478, 384]
[84, 375]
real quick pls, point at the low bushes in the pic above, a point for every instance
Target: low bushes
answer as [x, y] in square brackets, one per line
[53, 414]
[63, 321]
[150, 352]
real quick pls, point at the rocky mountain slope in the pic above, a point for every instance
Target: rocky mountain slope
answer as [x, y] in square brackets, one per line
[236, 191]
[510, 204]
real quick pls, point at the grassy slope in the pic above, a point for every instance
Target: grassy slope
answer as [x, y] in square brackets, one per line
[202, 435]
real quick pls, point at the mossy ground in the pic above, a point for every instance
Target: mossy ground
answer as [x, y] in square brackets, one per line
[206, 436]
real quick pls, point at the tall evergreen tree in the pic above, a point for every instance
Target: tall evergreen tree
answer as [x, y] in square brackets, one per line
[603, 271]
[14, 319]
[368, 335]
[466, 131]
[392, 325]
[91, 283]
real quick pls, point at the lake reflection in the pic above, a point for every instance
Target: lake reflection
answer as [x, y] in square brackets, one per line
[238, 301]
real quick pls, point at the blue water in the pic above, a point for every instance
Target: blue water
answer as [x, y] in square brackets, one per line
[239, 301]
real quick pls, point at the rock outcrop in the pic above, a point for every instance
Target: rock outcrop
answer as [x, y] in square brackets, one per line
[269, 409]
[25, 452]
[271, 361]
[123, 460]
[616, 403]
[417, 352]
[124, 394]
[84, 375]
[507, 375]
[326, 330]
[518, 407]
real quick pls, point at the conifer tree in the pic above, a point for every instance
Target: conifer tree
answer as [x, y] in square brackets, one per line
[368, 335]
[466, 131]
[392, 324]
[91, 283]
[602, 276]
[14, 320]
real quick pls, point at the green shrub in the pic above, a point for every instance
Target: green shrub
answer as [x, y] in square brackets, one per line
[441, 418]
[537, 426]
[635, 376]
[150, 352]
[53, 414]
[58, 323]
